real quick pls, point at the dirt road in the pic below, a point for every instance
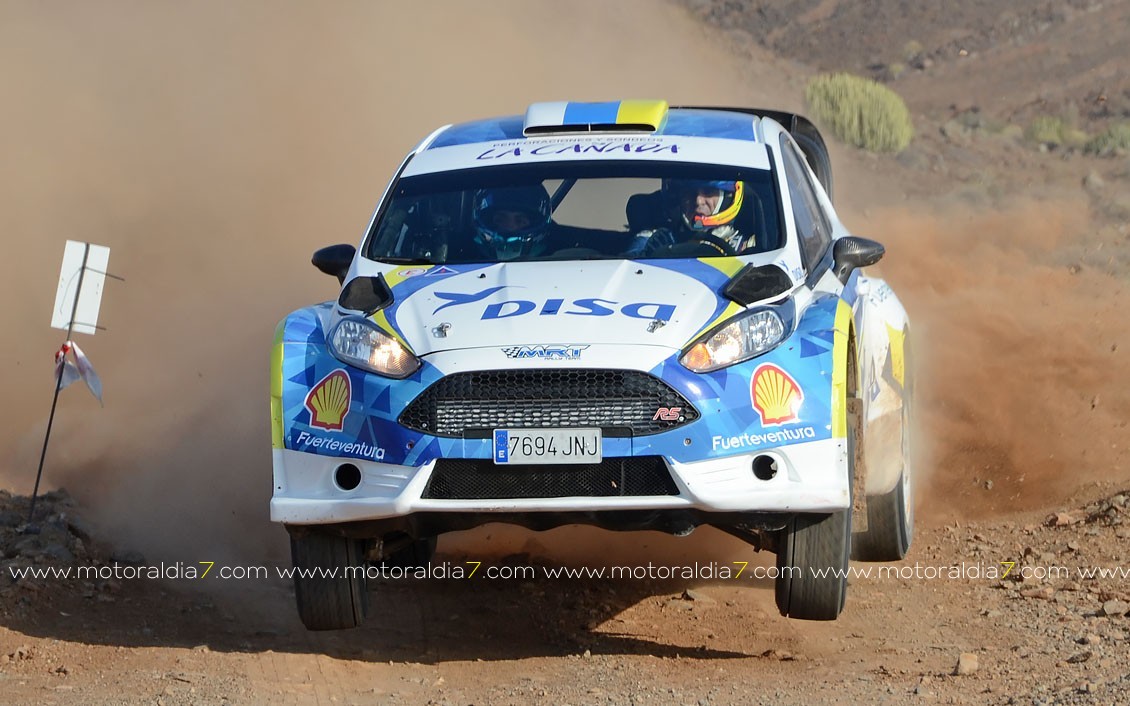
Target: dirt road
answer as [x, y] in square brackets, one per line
[214, 146]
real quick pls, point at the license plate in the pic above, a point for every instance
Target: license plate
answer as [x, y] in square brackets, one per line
[547, 445]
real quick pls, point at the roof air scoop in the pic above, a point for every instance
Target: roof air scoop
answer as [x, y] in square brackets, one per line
[563, 118]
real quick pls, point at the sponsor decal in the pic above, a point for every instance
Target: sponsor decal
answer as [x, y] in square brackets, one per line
[776, 396]
[553, 307]
[459, 298]
[349, 448]
[668, 414]
[796, 272]
[413, 272]
[782, 436]
[613, 147]
[328, 401]
[881, 293]
[545, 352]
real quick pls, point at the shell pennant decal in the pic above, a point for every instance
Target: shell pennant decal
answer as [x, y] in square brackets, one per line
[328, 401]
[775, 395]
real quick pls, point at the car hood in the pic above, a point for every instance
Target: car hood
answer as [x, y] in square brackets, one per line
[556, 303]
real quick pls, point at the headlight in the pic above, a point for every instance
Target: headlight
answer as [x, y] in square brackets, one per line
[360, 343]
[741, 339]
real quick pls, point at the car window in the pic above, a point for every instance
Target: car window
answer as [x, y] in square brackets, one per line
[812, 226]
[573, 210]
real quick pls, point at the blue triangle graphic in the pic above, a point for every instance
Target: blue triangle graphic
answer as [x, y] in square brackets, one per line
[809, 348]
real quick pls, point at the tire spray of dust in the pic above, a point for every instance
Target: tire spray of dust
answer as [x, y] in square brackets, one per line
[1020, 356]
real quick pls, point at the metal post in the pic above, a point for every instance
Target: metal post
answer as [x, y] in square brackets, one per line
[58, 388]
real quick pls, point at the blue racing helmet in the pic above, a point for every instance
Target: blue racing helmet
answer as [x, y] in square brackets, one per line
[512, 222]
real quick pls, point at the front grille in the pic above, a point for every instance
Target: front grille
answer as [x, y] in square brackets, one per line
[621, 402]
[469, 479]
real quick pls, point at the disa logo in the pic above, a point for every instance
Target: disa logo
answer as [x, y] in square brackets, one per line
[593, 306]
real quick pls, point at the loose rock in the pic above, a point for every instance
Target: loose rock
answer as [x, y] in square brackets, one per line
[1115, 608]
[967, 664]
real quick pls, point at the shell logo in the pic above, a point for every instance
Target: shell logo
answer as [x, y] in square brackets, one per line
[775, 395]
[328, 401]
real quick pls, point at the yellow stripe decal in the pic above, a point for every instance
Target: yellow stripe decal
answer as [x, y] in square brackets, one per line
[839, 369]
[732, 310]
[642, 113]
[728, 266]
[276, 423]
[276, 387]
[393, 277]
[382, 321]
[898, 360]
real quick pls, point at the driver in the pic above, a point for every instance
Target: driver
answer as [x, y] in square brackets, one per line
[512, 222]
[696, 208]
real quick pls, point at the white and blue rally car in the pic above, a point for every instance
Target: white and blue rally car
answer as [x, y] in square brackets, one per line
[623, 314]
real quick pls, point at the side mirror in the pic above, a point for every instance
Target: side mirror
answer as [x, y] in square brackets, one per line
[852, 252]
[334, 260]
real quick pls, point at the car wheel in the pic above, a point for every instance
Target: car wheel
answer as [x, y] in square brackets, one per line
[329, 580]
[812, 557]
[890, 517]
[811, 546]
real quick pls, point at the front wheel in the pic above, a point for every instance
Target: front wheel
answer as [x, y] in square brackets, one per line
[329, 580]
[812, 563]
[813, 552]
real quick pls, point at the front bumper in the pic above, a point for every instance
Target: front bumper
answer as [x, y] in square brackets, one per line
[810, 479]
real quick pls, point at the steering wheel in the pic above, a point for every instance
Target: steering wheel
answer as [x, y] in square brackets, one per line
[696, 243]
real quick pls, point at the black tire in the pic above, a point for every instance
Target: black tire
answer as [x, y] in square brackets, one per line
[890, 516]
[329, 602]
[814, 543]
[418, 553]
[813, 552]
[889, 528]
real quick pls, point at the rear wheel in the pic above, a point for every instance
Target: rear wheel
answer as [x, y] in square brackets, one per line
[889, 524]
[890, 516]
[329, 580]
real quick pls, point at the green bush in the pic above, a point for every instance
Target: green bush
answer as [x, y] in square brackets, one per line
[1048, 130]
[911, 51]
[1045, 130]
[860, 112]
[1113, 139]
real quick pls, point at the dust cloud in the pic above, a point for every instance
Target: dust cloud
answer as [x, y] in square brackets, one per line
[1020, 357]
[213, 146]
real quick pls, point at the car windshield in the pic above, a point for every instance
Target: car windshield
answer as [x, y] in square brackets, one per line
[578, 210]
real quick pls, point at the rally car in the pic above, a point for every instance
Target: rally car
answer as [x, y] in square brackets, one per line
[625, 314]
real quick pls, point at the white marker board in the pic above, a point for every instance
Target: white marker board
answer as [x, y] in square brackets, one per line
[90, 295]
